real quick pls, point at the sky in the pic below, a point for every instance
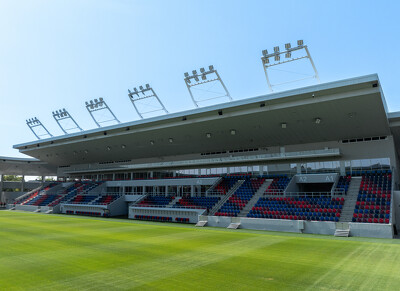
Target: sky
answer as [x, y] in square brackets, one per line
[58, 54]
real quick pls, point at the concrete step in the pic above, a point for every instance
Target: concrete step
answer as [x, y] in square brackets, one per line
[201, 223]
[234, 225]
[342, 232]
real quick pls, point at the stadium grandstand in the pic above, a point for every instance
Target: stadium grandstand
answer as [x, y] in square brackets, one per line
[321, 159]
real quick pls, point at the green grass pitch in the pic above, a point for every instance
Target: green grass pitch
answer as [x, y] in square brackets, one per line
[58, 252]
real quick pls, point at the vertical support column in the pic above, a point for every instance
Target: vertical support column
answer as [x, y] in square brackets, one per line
[43, 179]
[23, 184]
[342, 168]
[113, 176]
[298, 166]
[261, 170]
[2, 186]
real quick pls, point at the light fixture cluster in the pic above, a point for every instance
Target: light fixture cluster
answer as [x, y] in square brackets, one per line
[206, 76]
[97, 105]
[146, 92]
[63, 114]
[33, 124]
[275, 57]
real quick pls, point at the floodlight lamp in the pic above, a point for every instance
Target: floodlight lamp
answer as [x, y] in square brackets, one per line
[186, 74]
[233, 131]
[317, 120]
[141, 88]
[211, 67]
[287, 46]
[266, 60]
[123, 146]
[288, 55]
[194, 72]
[135, 89]
[86, 103]
[208, 135]
[108, 148]
[101, 99]
[147, 86]
[204, 77]
[300, 42]
[196, 78]
[91, 102]
[53, 113]
[265, 53]
[277, 58]
[202, 70]
[276, 49]
[152, 142]
[188, 80]
[170, 140]
[96, 101]
[283, 125]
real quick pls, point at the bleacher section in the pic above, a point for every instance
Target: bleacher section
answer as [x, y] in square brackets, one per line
[299, 208]
[240, 198]
[83, 199]
[343, 185]
[374, 198]
[226, 183]
[278, 185]
[197, 202]
[105, 199]
[26, 200]
[43, 200]
[154, 201]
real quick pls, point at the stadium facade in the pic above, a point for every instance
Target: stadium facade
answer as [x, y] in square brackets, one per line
[319, 159]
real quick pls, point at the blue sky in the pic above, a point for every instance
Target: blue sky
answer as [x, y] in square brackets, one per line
[58, 54]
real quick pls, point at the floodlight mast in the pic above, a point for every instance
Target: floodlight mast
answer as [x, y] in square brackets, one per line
[35, 122]
[288, 55]
[63, 114]
[145, 93]
[193, 80]
[97, 105]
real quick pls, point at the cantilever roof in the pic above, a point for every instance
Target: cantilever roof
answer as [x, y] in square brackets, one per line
[26, 166]
[348, 108]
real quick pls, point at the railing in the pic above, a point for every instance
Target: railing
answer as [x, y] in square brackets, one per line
[217, 161]
[309, 194]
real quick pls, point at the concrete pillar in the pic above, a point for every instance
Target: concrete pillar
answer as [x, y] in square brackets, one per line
[192, 191]
[2, 184]
[342, 168]
[23, 183]
[261, 170]
[298, 166]
[113, 176]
